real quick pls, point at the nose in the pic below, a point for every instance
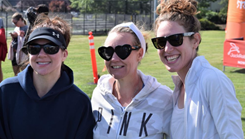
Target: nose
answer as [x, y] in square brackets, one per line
[115, 56]
[41, 52]
[168, 47]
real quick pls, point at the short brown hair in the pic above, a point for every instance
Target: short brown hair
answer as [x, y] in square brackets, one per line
[55, 23]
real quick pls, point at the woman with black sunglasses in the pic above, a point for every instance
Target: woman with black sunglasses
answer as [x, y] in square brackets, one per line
[15, 54]
[42, 102]
[127, 103]
[205, 103]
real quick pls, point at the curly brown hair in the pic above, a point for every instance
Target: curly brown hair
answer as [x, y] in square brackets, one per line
[181, 11]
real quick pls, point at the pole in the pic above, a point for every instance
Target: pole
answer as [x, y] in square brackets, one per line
[2, 5]
[93, 58]
[155, 7]
[155, 4]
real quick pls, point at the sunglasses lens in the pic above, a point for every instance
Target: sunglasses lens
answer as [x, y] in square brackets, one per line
[159, 43]
[106, 52]
[51, 49]
[48, 49]
[176, 40]
[33, 49]
[123, 51]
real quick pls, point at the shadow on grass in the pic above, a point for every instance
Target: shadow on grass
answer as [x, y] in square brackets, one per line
[239, 71]
[243, 119]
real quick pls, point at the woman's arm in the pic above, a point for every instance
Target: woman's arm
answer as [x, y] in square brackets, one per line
[225, 107]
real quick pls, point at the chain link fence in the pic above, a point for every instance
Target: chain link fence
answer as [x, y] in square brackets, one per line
[111, 14]
[97, 23]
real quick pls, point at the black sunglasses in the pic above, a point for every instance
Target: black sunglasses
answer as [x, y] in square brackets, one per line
[122, 51]
[35, 49]
[15, 23]
[175, 40]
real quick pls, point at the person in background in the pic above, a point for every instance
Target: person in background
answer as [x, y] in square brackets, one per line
[32, 13]
[205, 103]
[127, 103]
[42, 8]
[17, 42]
[42, 102]
[3, 47]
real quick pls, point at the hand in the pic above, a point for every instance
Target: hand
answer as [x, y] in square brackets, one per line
[22, 33]
[13, 35]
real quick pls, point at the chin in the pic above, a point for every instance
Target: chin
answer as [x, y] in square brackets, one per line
[42, 73]
[117, 76]
[170, 69]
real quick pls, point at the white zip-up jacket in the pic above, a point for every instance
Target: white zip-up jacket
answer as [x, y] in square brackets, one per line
[212, 110]
[147, 116]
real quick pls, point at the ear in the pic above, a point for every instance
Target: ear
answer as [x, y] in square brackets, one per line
[140, 54]
[64, 55]
[196, 40]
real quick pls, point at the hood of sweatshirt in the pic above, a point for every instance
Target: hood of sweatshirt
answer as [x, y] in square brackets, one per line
[150, 84]
[63, 83]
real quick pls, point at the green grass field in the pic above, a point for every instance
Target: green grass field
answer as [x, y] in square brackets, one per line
[80, 61]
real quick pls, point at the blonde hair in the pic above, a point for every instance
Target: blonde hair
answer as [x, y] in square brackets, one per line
[122, 29]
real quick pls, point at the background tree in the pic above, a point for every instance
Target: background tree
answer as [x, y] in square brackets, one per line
[112, 6]
[205, 3]
[203, 7]
[22, 5]
[82, 5]
[209, 19]
[224, 4]
[59, 6]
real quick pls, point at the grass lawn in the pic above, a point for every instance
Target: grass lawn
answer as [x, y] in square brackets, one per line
[79, 60]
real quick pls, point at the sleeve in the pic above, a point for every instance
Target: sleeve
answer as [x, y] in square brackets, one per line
[87, 122]
[224, 106]
[16, 29]
[168, 112]
[2, 36]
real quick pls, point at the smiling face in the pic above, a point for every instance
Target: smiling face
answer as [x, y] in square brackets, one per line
[46, 64]
[177, 59]
[117, 67]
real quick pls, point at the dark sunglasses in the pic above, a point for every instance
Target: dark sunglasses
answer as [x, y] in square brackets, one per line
[122, 51]
[15, 22]
[175, 40]
[35, 49]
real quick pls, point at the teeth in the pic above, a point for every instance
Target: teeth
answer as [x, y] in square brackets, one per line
[116, 67]
[172, 58]
[43, 63]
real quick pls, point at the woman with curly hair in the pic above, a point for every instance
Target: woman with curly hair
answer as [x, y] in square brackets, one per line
[205, 103]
